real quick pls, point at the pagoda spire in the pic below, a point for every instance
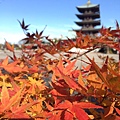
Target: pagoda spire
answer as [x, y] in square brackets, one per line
[89, 2]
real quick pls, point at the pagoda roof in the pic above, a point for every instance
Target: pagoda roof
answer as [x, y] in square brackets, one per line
[82, 10]
[94, 23]
[88, 5]
[90, 30]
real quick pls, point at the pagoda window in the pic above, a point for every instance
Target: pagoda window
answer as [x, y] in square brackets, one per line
[84, 26]
[91, 26]
[90, 19]
[90, 11]
[85, 19]
[87, 26]
[91, 33]
[86, 12]
[97, 12]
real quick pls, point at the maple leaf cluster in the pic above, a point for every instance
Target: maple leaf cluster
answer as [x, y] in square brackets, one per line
[37, 86]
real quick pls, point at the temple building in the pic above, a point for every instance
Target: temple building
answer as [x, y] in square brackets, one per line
[89, 18]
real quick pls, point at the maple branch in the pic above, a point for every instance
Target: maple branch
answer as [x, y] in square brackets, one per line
[82, 54]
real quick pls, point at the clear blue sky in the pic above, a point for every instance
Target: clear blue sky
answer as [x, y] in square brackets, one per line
[58, 15]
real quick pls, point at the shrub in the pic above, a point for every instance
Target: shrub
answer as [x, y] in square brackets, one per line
[35, 86]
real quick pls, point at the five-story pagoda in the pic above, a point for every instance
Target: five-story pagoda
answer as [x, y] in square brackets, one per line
[90, 18]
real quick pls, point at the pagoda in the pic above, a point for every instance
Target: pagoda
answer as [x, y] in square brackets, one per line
[89, 18]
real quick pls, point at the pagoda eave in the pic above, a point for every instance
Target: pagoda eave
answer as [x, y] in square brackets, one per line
[87, 30]
[81, 9]
[94, 23]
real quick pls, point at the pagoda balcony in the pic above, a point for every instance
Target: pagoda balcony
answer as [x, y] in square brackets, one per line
[86, 29]
[94, 16]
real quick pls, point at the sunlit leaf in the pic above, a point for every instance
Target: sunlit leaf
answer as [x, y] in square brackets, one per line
[14, 85]
[9, 47]
[5, 61]
[98, 71]
[114, 82]
[93, 80]
[60, 89]
[54, 115]
[117, 110]
[66, 115]
[80, 80]
[111, 109]
[86, 41]
[71, 91]
[14, 99]
[4, 95]
[70, 67]
[87, 105]
[64, 105]
[23, 108]
[78, 33]
[33, 69]
[72, 84]
[80, 113]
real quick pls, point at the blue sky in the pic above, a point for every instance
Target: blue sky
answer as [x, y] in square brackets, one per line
[58, 15]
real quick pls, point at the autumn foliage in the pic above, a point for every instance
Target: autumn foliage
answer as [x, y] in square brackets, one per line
[35, 86]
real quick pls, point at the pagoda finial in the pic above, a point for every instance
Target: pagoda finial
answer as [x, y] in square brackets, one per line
[88, 3]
